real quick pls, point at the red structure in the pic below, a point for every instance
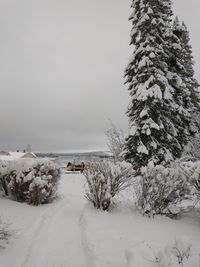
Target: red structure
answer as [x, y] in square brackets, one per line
[75, 167]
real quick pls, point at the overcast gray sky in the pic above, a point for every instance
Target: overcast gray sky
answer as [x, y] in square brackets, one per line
[61, 70]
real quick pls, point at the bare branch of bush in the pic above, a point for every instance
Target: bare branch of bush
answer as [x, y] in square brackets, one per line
[116, 141]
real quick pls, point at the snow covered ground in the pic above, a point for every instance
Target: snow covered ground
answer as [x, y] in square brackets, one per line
[70, 233]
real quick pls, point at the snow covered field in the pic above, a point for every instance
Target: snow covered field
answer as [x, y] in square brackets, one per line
[70, 233]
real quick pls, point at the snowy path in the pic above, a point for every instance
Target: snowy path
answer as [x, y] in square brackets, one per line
[55, 238]
[70, 233]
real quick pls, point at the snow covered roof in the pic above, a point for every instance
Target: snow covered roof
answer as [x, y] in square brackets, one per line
[17, 155]
[29, 155]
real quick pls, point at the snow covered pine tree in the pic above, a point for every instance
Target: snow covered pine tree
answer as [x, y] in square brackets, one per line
[192, 97]
[183, 66]
[187, 60]
[159, 120]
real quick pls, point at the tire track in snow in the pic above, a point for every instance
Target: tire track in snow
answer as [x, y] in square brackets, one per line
[40, 228]
[58, 235]
[87, 246]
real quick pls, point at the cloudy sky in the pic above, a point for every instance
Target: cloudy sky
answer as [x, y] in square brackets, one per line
[61, 70]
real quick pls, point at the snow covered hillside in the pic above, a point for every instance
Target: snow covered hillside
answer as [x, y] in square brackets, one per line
[70, 233]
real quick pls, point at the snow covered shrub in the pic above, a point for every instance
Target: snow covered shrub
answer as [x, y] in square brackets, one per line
[105, 180]
[33, 181]
[3, 176]
[192, 171]
[43, 187]
[161, 189]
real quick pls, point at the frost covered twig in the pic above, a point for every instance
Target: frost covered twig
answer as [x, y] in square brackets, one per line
[116, 141]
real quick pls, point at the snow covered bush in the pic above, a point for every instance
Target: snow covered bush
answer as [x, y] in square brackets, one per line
[161, 189]
[105, 180]
[3, 177]
[43, 187]
[178, 254]
[33, 181]
[192, 172]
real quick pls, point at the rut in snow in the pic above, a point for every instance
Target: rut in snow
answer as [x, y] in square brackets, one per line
[57, 238]
[87, 246]
[39, 228]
